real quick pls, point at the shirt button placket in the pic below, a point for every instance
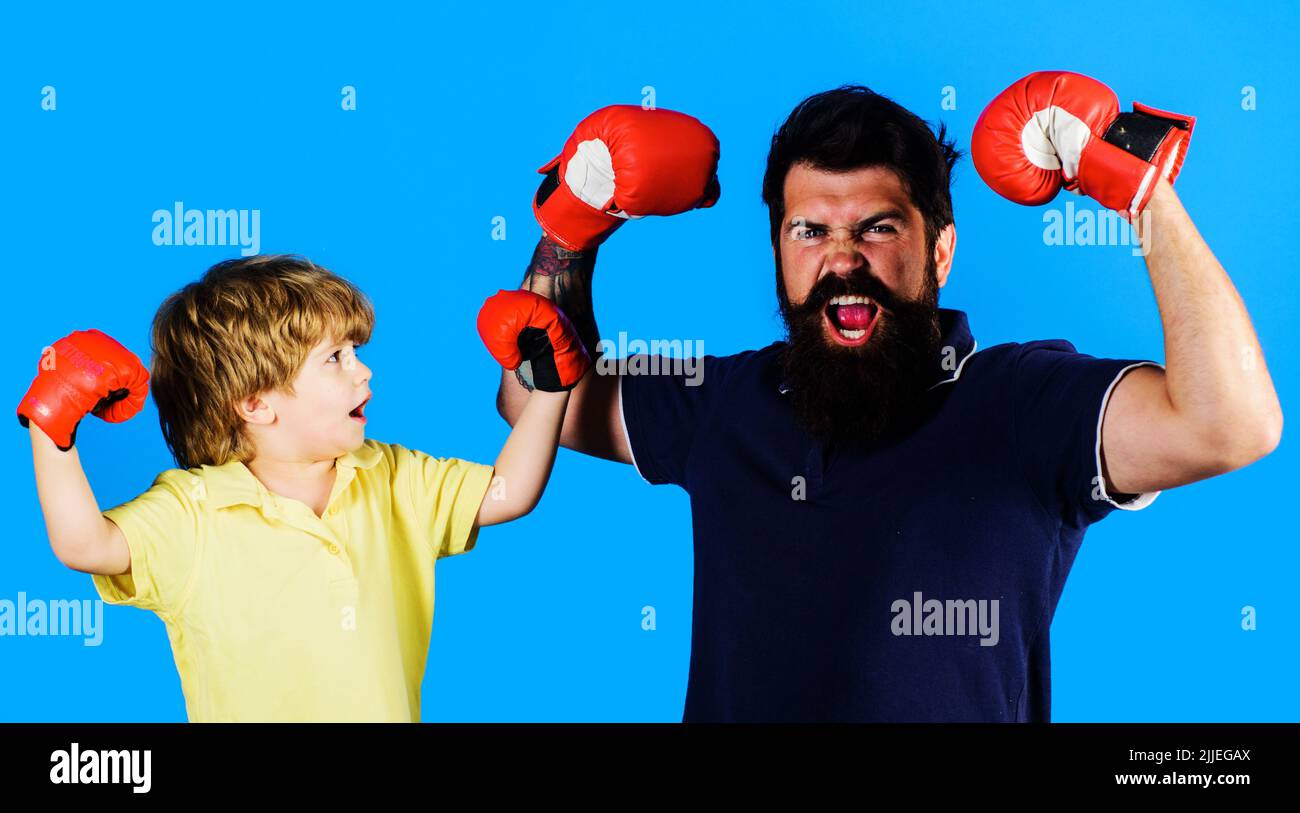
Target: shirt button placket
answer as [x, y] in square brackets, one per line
[813, 467]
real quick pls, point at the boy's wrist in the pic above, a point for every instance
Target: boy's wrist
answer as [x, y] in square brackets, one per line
[38, 435]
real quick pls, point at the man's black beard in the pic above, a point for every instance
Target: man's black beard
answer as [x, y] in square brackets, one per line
[866, 395]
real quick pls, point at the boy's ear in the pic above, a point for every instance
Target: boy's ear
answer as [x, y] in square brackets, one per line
[255, 410]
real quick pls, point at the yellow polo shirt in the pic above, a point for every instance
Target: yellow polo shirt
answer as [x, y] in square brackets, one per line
[275, 614]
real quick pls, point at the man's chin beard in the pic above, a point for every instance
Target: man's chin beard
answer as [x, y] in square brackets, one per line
[865, 395]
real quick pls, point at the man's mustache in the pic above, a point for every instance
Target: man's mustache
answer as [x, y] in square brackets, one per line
[860, 284]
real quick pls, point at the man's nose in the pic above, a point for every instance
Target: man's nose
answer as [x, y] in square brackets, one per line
[844, 256]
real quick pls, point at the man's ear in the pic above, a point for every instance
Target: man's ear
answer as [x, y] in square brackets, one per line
[255, 410]
[944, 247]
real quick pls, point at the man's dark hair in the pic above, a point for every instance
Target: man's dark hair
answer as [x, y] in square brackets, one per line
[852, 127]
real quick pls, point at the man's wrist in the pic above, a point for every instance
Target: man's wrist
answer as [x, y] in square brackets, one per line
[564, 277]
[550, 259]
[563, 253]
[524, 375]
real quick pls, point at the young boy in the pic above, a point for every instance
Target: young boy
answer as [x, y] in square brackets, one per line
[291, 559]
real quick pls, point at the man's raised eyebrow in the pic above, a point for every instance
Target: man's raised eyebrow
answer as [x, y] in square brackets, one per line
[865, 223]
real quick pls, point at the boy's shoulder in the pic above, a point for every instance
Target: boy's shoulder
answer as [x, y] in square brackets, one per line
[378, 454]
[415, 474]
[221, 486]
[374, 453]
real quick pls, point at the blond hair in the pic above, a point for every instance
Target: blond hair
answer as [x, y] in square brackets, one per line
[246, 327]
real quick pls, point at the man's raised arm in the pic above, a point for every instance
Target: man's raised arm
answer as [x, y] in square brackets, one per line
[592, 424]
[622, 162]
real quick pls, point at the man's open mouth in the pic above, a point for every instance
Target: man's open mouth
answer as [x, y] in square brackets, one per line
[358, 413]
[851, 319]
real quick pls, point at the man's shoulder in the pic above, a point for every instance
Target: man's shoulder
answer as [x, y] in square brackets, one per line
[757, 359]
[1014, 350]
[1008, 356]
[1003, 367]
[1031, 366]
[710, 370]
[746, 370]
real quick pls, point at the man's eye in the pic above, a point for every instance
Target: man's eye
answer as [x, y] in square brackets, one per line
[881, 226]
[805, 233]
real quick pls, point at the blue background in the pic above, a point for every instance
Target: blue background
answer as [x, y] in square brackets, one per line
[234, 106]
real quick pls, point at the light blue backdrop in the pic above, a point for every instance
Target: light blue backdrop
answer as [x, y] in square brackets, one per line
[233, 106]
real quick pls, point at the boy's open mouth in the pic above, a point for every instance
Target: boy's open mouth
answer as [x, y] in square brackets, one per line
[358, 412]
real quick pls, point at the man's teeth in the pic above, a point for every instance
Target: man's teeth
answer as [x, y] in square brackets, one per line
[851, 300]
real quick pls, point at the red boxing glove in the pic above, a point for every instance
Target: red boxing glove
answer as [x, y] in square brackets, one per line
[624, 162]
[86, 371]
[519, 326]
[1056, 128]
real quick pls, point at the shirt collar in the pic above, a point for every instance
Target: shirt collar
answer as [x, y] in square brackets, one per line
[956, 346]
[234, 484]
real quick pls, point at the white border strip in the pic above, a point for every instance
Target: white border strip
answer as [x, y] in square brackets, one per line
[1146, 498]
[1142, 189]
[622, 419]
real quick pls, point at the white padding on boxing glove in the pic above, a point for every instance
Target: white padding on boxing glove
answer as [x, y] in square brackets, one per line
[1055, 126]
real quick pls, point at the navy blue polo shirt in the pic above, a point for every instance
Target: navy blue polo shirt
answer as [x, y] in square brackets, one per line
[913, 581]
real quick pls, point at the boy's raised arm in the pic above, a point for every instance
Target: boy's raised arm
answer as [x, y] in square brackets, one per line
[525, 462]
[82, 537]
[85, 372]
[518, 327]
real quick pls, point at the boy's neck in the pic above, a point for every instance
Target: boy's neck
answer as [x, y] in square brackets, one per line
[308, 481]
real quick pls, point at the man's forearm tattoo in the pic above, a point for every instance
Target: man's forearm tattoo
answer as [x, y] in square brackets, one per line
[564, 277]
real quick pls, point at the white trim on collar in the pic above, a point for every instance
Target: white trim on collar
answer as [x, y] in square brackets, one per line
[956, 374]
[782, 388]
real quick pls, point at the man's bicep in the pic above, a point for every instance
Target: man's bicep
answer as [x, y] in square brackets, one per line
[593, 423]
[1146, 445]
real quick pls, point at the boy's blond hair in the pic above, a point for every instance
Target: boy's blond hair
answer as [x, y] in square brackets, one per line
[245, 328]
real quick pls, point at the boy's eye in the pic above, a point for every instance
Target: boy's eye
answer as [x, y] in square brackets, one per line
[335, 356]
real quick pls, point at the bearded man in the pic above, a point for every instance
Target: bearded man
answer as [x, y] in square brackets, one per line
[885, 515]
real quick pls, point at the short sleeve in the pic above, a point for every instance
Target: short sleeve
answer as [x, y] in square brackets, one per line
[161, 531]
[664, 409]
[447, 494]
[1060, 399]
